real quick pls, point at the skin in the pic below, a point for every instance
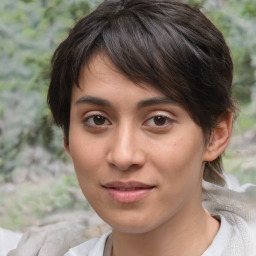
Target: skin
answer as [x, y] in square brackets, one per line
[118, 133]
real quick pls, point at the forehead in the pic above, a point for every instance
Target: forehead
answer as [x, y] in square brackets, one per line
[101, 85]
[100, 76]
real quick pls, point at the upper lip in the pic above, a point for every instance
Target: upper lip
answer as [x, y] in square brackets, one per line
[127, 185]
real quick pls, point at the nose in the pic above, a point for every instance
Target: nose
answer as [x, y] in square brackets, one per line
[126, 150]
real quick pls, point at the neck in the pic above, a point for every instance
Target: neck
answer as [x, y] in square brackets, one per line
[189, 234]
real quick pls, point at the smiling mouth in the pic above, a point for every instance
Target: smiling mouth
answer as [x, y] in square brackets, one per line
[129, 192]
[127, 189]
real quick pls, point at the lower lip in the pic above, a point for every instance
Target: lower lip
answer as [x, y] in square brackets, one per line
[128, 196]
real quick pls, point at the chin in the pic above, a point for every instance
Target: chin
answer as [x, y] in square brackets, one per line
[134, 226]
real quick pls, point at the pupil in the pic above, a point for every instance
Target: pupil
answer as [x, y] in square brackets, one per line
[99, 120]
[159, 120]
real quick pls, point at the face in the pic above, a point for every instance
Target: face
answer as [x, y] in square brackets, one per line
[137, 155]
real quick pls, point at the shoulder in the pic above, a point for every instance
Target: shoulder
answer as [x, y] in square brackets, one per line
[8, 240]
[235, 237]
[235, 206]
[242, 237]
[92, 247]
[232, 199]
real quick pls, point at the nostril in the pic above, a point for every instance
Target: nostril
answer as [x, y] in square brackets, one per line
[132, 167]
[125, 153]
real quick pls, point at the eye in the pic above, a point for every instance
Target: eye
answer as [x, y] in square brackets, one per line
[158, 120]
[96, 120]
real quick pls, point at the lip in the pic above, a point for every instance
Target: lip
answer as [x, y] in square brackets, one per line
[128, 192]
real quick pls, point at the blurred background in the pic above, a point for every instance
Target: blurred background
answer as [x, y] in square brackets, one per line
[36, 177]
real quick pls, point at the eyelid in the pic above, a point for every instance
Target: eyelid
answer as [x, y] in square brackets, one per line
[169, 119]
[92, 114]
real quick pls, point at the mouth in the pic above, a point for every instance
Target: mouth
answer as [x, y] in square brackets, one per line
[127, 192]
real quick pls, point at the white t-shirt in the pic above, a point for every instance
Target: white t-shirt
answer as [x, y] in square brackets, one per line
[8, 240]
[232, 239]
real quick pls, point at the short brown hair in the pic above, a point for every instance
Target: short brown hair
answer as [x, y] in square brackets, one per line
[164, 43]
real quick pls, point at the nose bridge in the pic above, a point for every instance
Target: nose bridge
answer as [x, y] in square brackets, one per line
[124, 137]
[125, 149]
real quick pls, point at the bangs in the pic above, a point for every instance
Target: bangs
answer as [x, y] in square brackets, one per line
[143, 49]
[165, 44]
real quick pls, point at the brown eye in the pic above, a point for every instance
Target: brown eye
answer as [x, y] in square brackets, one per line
[96, 121]
[99, 120]
[160, 120]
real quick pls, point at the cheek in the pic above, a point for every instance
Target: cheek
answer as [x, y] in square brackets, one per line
[179, 165]
[86, 160]
[179, 158]
[87, 156]
[172, 151]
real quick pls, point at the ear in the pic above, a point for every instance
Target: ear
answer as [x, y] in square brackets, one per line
[66, 145]
[220, 137]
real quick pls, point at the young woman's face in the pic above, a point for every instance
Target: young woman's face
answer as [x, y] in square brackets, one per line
[138, 156]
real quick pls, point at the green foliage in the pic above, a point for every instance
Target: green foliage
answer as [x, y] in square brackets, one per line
[30, 31]
[26, 204]
[237, 19]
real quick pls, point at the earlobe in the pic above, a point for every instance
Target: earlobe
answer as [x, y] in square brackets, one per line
[220, 137]
[66, 145]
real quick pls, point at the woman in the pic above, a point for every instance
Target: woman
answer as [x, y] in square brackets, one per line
[142, 91]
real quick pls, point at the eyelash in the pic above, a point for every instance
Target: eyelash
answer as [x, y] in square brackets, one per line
[86, 121]
[164, 121]
[167, 121]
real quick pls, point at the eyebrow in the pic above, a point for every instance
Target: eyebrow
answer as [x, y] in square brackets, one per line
[156, 101]
[94, 101]
[142, 104]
